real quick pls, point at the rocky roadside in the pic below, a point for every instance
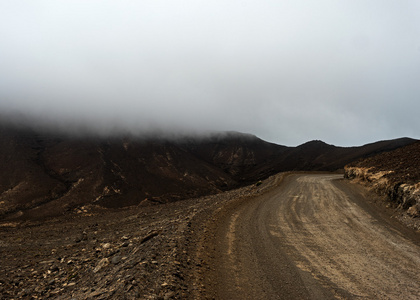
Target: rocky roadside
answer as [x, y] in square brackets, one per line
[403, 198]
[395, 176]
[93, 253]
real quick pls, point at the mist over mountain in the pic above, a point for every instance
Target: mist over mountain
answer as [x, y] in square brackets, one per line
[286, 71]
[46, 173]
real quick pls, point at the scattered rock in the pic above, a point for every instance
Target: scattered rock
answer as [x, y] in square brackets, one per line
[169, 295]
[102, 263]
[153, 259]
[414, 210]
[106, 245]
[394, 176]
[149, 236]
[116, 259]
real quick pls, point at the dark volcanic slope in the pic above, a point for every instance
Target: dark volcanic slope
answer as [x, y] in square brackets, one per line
[319, 156]
[243, 156]
[45, 174]
[403, 162]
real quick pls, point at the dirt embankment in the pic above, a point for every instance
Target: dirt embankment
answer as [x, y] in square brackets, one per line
[394, 175]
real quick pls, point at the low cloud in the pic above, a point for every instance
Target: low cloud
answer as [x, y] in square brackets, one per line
[346, 73]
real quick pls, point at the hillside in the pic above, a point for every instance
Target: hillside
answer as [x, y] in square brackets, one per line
[319, 156]
[394, 174]
[49, 174]
[244, 157]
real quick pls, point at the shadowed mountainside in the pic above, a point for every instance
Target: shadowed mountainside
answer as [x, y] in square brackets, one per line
[46, 174]
[319, 156]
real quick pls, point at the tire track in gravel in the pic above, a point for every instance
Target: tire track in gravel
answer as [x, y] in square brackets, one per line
[312, 236]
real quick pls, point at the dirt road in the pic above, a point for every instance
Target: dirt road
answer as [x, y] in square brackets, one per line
[314, 236]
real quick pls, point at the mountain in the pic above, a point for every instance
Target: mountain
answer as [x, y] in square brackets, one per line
[319, 156]
[46, 174]
[401, 165]
[237, 154]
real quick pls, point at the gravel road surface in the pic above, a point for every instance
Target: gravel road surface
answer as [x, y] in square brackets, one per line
[314, 236]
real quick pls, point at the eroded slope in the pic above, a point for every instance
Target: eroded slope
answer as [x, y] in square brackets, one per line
[394, 174]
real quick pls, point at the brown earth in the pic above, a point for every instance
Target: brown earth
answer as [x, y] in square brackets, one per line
[128, 253]
[46, 174]
[403, 162]
[92, 217]
[329, 239]
[394, 175]
[310, 236]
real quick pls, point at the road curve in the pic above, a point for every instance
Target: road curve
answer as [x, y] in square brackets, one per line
[313, 237]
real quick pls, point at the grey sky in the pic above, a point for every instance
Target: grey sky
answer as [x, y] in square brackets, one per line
[346, 72]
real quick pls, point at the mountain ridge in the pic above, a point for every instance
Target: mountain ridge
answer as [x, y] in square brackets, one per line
[45, 174]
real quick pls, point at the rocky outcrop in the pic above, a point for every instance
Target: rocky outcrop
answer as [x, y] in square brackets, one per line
[405, 196]
[394, 174]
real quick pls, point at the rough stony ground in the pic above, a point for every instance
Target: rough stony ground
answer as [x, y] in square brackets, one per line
[93, 253]
[400, 166]
[395, 176]
[151, 252]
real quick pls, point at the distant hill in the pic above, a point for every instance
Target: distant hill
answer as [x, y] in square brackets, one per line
[44, 174]
[237, 154]
[404, 164]
[319, 156]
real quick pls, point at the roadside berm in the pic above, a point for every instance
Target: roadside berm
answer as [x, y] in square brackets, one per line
[395, 176]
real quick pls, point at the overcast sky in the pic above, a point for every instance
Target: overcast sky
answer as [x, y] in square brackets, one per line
[345, 72]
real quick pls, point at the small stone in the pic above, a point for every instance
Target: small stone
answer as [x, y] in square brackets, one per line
[106, 245]
[116, 259]
[26, 292]
[169, 295]
[96, 293]
[414, 211]
[102, 263]
[54, 268]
